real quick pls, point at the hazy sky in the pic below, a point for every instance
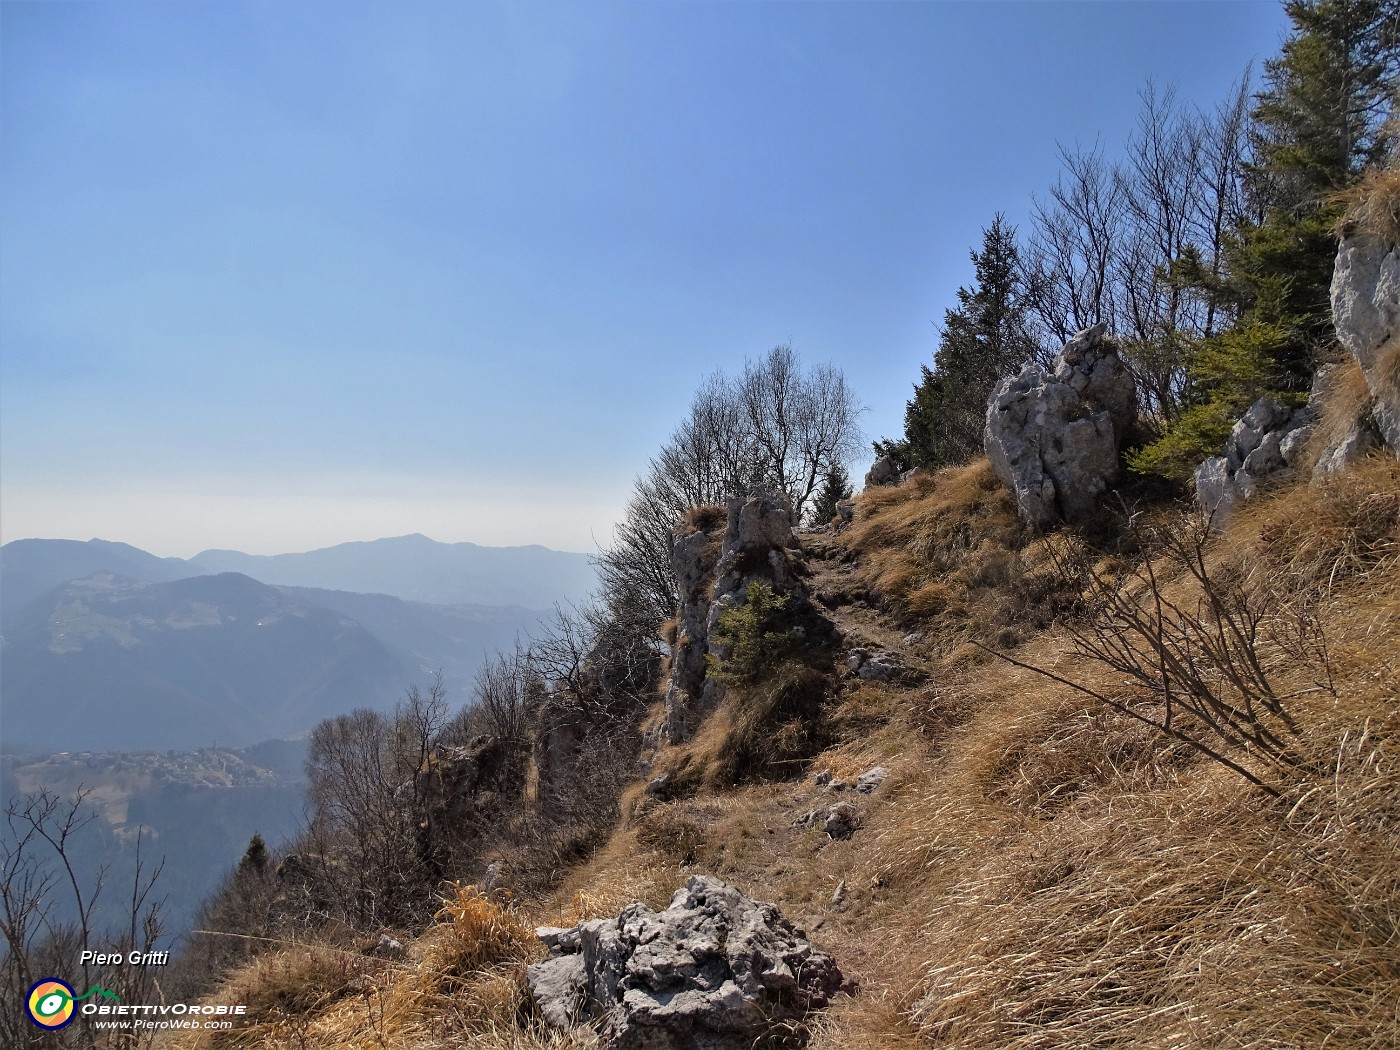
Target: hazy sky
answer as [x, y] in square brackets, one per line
[277, 276]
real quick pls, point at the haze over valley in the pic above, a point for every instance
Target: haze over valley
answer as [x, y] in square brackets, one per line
[177, 693]
[107, 646]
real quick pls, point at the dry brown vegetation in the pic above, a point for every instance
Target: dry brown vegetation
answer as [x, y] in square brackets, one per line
[1373, 205]
[770, 728]
[1071, 880]
[1344, 402]
[948, 550]
[463, 982]
[1039, 869]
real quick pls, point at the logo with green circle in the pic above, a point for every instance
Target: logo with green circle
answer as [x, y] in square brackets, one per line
[50, 1003]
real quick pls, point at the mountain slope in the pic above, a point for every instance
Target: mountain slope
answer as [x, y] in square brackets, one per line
[1035, 869]
[29, 568]
[108, 663]
[453, 639]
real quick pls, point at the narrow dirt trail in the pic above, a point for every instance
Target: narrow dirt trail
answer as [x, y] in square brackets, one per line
[838, 590]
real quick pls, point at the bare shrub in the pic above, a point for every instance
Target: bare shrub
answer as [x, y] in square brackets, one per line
[1211, 659]
[369, 780]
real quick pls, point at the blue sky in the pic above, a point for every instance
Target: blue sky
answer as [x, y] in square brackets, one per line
[277, 276]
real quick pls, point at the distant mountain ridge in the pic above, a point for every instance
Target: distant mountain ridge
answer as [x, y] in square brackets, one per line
[109, 663]
[29, 568]
[107, 646]
[417, 568]
[413, 568]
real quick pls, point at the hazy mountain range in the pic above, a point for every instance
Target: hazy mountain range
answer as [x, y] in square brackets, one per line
[409, 567]
[108, 647]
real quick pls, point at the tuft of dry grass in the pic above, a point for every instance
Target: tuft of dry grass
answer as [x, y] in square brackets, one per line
[706, 518]
[476, 930]
[1344, 402]
[299, 981]
[667, 631]
[1373, 206]
[1313, 538]
[466, 977]
[673, 829]
[948, 550]
[765, 729]
[1385, 373]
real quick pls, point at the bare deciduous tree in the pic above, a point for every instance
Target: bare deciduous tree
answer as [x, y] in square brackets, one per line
[1071, 253]
[503, 694]
[776, 423]
[40, 884]
[367, 782]
[1137, 243]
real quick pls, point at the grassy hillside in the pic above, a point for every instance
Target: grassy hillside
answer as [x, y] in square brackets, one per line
[1041, 868]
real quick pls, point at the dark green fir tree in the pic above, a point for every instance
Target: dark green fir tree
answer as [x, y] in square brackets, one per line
[1317, 124]
[984, 338]
[835, 488]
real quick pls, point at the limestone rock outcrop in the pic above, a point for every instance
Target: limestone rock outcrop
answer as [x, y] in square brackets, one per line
[1054, 437]
[1265, 445]
[714, 570]
[1366, 312]
[875, 665]
[715, 970]
[884, 471]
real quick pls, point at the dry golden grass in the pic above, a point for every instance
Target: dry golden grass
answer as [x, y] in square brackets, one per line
[464, 980]
[706, 518]
[1186, 918]
[1079, 883]
[300, 980]
[767, 728]
[1373, 205]
[667, 631]
[1316, 537]
[948, 550]
[1385, 374]
[1344, 400]
[1038, 871]
[476, 930]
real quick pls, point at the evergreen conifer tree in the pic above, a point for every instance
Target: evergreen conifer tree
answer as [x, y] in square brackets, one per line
[1316, 125]
[254, 857]
[984, 338]
[835, 488]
